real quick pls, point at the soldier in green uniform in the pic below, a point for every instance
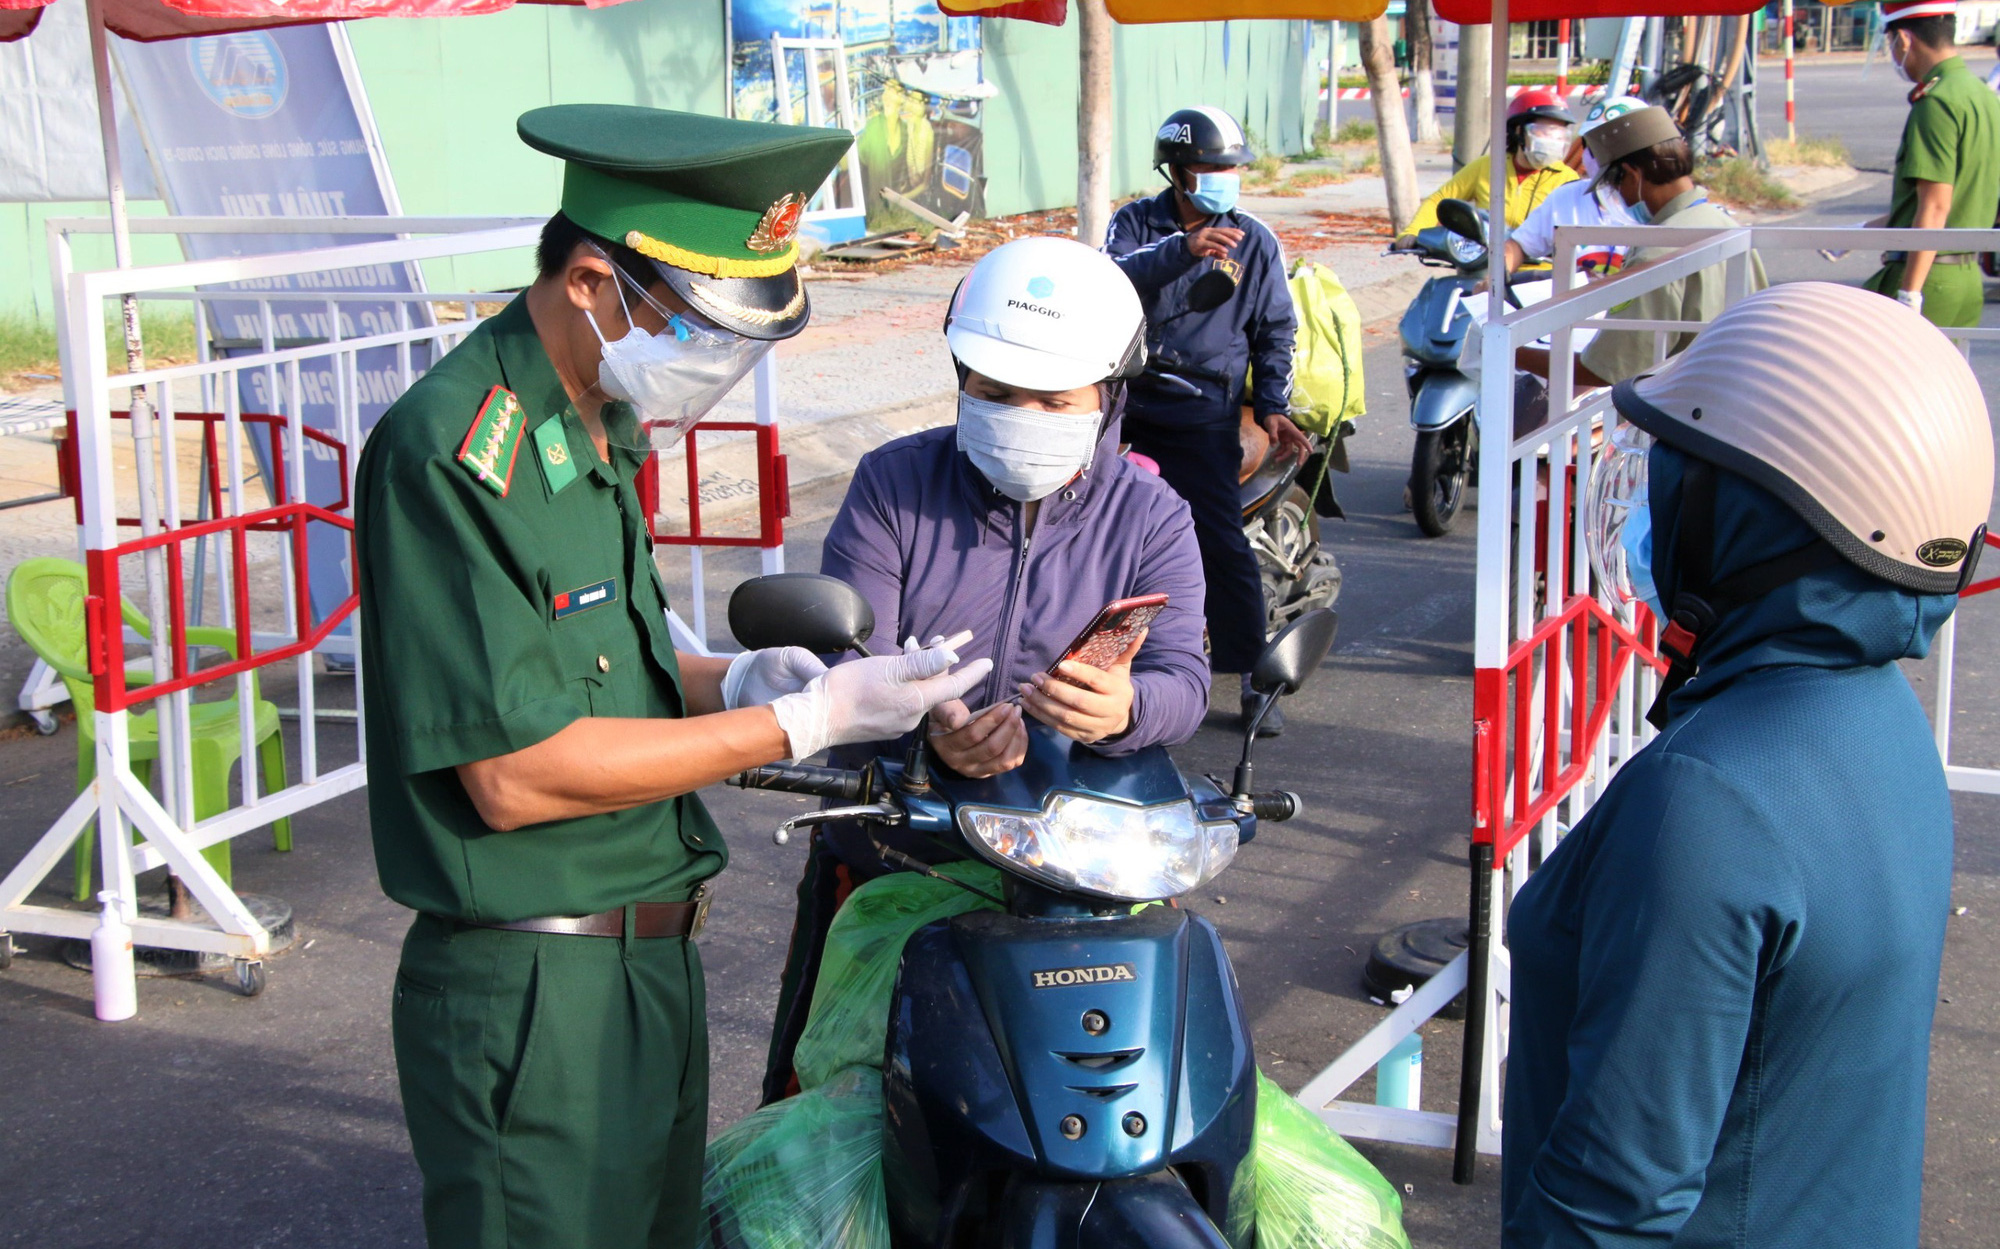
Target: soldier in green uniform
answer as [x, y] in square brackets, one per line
[1948, 167]
[534, 740]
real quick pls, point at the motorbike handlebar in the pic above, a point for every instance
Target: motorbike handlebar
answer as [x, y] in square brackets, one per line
[802, 778]
[1279, 806]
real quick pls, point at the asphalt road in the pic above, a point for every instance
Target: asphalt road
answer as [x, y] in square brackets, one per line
[211, 1119]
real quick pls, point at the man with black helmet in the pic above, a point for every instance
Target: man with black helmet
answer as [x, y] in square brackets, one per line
[1219, 321]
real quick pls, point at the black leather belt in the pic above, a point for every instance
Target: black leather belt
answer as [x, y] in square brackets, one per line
[1941, 258]
[649, 920]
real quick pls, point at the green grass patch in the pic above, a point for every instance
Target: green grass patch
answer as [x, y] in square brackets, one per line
[1821, 153]
[1739, 183]
[1265, 168]
[28, 348]
[1355, 130]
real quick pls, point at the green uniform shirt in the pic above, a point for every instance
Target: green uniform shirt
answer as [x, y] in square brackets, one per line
[489, 623]
[1952, 135]
[1615, 355]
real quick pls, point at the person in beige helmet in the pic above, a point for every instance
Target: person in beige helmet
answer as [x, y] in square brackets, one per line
[1643, 158]
[1723, 977]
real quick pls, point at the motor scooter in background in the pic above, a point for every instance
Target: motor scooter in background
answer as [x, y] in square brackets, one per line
[1437, 335]
[1283, 499]
[1070, 1070]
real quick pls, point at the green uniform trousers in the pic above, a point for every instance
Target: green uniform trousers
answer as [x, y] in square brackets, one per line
[1953, 294]
[556, 1087]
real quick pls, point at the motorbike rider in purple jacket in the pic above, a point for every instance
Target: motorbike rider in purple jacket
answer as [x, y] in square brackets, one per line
[1017, 523]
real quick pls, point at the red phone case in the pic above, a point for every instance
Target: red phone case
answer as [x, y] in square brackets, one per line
[1107, 636]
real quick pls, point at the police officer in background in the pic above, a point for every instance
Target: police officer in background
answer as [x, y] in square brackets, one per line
[534, 739]
[1219, 318]
[1947, 167]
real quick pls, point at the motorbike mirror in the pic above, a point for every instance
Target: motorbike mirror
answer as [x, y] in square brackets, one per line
[823, 614]
[1296, 653]
[1463, 220]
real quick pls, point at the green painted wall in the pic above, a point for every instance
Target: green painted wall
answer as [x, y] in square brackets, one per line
[25, 291]
[445, 94]
[1254, 70]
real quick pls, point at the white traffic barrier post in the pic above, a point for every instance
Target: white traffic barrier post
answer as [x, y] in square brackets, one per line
[137, 832]
[1561, 684]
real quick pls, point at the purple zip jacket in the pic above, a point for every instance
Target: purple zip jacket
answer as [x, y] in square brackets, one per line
[936, 549]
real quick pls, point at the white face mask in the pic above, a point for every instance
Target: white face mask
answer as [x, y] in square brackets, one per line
[672, 378]
[1897, 61]
[1546, 146]
[1026, 454]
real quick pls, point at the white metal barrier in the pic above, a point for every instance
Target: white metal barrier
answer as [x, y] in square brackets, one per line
[248, 546]
[1561, 684]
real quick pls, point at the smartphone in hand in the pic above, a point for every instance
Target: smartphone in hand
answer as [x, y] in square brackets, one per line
[1110, 634]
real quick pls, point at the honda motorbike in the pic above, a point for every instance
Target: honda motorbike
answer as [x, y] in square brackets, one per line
[1068, 1071]
[1436, 333]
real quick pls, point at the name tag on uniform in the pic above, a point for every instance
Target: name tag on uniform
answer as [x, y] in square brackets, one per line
[570, 602]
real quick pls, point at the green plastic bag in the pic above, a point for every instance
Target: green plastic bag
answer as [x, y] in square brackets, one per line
[803, 1173]
[1327, 385]
[1309, 1189]
[806, 1172]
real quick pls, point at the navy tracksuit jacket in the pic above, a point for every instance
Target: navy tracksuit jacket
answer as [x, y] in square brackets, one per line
[1194, 437]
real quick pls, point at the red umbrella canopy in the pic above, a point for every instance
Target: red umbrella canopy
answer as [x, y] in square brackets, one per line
[1479, 12]
[150, 20]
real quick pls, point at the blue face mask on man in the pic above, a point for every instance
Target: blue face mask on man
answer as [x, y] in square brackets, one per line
[1215, 192]
[1636, 537]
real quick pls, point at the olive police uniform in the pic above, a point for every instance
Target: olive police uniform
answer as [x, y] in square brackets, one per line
[555, 1073]
[1952, 135]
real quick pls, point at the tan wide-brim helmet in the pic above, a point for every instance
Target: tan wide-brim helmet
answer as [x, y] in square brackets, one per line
[1852, 409]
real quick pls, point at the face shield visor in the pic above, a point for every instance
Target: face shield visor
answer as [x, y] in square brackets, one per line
[1618, 524]
[673, 378]
[1546, 144]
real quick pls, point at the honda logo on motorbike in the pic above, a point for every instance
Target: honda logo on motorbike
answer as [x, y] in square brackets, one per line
[1060, 977]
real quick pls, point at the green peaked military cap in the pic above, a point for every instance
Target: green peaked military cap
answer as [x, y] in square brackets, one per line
[713, 202]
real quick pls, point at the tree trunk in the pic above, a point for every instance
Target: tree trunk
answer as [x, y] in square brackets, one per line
[1423, 84]
[1470, 120]
[1093, 122]
[1392, 129]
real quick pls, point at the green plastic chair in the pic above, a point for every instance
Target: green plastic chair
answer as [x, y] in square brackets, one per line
[45, 600]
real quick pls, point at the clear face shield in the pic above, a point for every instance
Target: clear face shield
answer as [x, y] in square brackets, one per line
[1618, 523]
[1546, 144]
[673, 378]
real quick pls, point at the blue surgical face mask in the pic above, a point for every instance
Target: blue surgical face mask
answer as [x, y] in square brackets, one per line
[1215, 192]
[1641, 212]
[1636, 537]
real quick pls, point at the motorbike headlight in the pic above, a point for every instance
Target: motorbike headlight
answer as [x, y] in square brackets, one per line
[1097, 846]
[1465, 251]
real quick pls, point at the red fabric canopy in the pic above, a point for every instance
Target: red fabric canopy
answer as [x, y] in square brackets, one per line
[150, 20]
[1480, 12]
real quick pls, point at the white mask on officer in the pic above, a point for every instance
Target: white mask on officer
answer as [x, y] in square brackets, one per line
[672, 378]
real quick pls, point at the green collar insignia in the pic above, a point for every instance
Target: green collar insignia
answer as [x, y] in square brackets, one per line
[490, 445]
[552, 450]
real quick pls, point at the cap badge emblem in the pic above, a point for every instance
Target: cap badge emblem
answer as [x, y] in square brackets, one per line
[780, 224]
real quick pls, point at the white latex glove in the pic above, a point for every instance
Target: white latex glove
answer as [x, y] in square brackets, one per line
[1913, 300]
[759, 677]
[873, 699]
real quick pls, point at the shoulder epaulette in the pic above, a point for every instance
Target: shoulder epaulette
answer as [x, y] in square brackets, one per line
[490, 445]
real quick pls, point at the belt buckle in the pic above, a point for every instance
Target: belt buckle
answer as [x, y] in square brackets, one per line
[702, 897]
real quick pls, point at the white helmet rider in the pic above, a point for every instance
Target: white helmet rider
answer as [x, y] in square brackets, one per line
[1851, 409]
[1602, 111]
[1039, 319]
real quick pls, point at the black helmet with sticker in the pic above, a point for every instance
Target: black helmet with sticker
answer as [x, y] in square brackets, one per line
[1200, 136]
